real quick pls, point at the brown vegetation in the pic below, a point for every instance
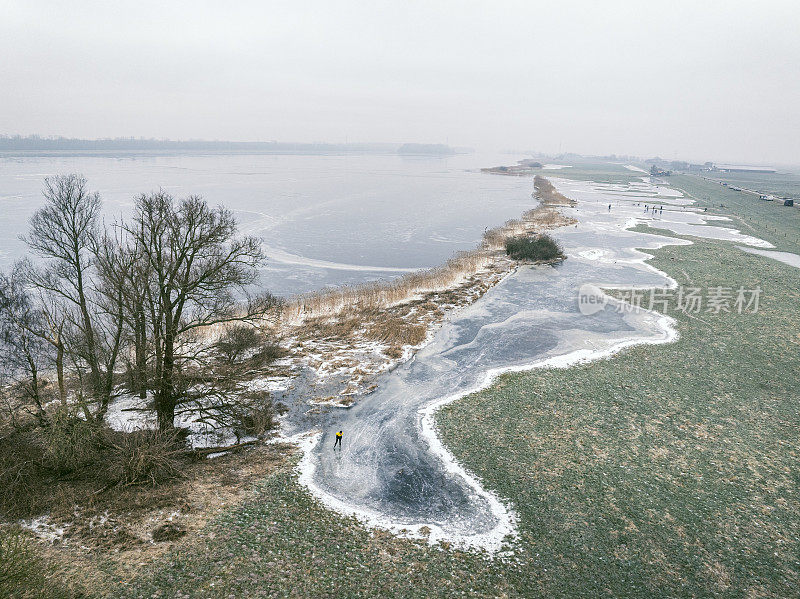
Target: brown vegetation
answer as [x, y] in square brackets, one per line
[337, 325]
[132, 526]
[547, 193]
[72, 461]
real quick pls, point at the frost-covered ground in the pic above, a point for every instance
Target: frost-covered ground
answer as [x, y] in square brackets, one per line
[393, 472]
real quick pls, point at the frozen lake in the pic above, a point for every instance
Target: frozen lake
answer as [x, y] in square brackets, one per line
[325, 219]
[392, 470]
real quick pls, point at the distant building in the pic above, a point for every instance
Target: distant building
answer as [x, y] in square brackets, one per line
[659, 172]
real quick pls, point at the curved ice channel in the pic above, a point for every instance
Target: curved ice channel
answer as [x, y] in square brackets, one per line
[393, 471]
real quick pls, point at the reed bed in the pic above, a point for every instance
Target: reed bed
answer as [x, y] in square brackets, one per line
[548, 194]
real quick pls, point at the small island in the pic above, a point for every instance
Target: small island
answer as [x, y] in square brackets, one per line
[523, 168]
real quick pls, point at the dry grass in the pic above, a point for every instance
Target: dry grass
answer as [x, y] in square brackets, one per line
[380, 295]
[396, 331]
[109, 537]
[546, 191]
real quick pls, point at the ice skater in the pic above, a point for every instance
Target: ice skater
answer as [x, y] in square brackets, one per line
[338, 441]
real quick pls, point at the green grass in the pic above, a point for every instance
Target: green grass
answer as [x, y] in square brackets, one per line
[284, 544]
[588, 170]
[778, 224]
[668, 470]
[25, 574]
[783, 183]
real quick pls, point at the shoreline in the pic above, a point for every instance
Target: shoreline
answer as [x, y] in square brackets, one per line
[355, 333]
[343, 338]
[320, 477]
[657, 329]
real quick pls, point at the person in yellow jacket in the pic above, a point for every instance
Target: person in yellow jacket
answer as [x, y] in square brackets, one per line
[338, 441]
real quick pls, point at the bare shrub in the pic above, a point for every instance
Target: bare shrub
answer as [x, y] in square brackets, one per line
[237, 342]
[22, 478]
[23, 573]
[256, 415]
[541, 248]
[18, 563]
[143, 457]
[268, 353]
[70, 443]
[245, 346]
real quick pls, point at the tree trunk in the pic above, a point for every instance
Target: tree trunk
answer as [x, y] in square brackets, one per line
[108, 384]
[140, 342]
[166, 400]
[91, 348]
[34, 391]
[62, 389]
[165, 411]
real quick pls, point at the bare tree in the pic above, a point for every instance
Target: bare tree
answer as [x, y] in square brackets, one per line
[64, 232]
[86, 318]
[157, 288]
[124, 273]
[23, 350]
[198, 274]
[52, 319]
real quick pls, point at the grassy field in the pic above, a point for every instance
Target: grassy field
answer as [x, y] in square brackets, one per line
[778, 224]
[668, 470]
[783, 183]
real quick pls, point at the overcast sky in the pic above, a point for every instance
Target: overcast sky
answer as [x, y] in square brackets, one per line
[696, 80]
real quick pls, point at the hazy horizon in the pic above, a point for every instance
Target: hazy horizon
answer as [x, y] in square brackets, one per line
[716, 81]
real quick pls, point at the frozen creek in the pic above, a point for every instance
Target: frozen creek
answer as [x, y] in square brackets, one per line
[393, 472]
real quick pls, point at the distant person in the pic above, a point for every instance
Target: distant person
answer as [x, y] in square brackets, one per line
[338, 441]
[609, 206]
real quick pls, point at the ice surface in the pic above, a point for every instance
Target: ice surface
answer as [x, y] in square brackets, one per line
[326, 220]
[785, 257]
[393, 471]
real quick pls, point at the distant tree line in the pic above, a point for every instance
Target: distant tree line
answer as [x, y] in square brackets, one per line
[426, 149]
[158, 304]
[36, 143]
